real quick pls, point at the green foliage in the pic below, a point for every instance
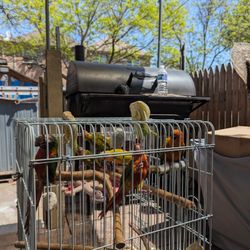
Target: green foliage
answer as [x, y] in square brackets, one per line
[204, 41]
[237, 24]
[125, 29]
[173, 30]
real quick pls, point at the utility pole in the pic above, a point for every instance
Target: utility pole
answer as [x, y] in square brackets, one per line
[47, 25]
[52, 94]
[159, 34]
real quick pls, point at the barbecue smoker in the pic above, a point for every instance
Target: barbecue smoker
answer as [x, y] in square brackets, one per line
[104, 90]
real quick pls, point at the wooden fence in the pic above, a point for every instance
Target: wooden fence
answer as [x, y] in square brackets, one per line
[229, 104]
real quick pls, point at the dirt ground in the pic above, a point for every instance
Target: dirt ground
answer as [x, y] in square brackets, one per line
[8, 216]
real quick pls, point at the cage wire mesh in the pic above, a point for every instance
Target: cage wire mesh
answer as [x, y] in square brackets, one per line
[114, 184]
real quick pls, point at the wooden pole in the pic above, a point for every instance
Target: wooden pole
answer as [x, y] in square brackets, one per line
[119, 240]
[178, 200]
[143, 238]
[89, 175]
[54, 246]
[42, 98]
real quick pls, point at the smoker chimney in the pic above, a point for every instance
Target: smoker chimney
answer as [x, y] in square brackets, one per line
[79, 53]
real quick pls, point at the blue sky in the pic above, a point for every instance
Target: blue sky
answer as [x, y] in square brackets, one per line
[224, 58]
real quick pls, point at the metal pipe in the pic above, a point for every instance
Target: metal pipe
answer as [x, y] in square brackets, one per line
[58, 41]
[182, 50]
[159, 35]
[79, 53]
[47, 25]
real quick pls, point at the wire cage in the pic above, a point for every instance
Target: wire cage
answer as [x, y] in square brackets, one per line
[114, 183]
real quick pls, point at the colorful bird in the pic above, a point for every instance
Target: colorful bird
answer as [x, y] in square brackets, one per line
[71, 131]
[176, 140]
[123, 157]
[43, 143]
[140, 111]
[133, 178]
[98, 140]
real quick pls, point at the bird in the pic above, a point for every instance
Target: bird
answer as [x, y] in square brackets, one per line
[44, 143]
[71, 137]
[133, 177]
[140, 111]
[175, 140]
[123, 157]
[98, 140]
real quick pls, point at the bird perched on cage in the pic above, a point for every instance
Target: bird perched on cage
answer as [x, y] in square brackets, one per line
[98, 140]
[70, 134]
[140, 111]
[123, 157]
[175, 140]
[133, 177]
[44, 143]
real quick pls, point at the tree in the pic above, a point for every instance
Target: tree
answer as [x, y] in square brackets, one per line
[204, 42]
[125, 25]
[174, 29]
[237, 24]
[128, 27]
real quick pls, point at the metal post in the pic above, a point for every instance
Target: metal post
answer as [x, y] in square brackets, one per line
[47, 26]
[182, 51]
[58, 42]
[159, 35]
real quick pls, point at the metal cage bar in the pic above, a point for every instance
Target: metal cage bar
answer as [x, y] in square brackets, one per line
[117, 183]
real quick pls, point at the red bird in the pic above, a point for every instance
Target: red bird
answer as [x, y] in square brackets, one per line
[139, 172]
[40, 169]
[177, 140]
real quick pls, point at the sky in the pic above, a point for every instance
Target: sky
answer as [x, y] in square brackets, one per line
[7, 31]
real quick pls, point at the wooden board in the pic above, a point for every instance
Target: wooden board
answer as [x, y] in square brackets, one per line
[233, 142]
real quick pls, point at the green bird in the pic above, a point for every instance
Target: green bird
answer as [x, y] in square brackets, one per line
[98, 140]
[70, 135]
[140, 112]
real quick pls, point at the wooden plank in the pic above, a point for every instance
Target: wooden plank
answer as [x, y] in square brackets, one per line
[243, 93]
[6, 176]
[211, 95]
[200, 87]
[222, 94]
[248, 110]
[235, 107]
[229, 96]
[194, 76]
[206, 93]
[54, 83]
[216, 97]
[42, 98]
[20, 77]
[53, 246]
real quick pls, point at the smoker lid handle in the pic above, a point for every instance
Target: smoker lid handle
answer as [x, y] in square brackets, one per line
[141, 75]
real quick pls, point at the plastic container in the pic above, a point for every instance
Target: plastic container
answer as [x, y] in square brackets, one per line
[162, 81]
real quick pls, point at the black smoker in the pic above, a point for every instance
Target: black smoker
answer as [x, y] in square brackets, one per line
[106, 90]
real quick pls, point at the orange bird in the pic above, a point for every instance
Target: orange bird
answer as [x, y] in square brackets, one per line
[139, 173]
[177, 140]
